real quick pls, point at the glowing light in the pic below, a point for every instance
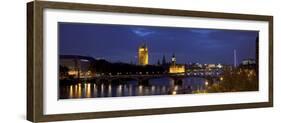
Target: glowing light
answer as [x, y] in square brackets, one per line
[221, 78]
[176, 87]
[79, 91]
[140, 90]
[177, 69]
[70, 91]
[153, 89]
[206, 83]
[173, 59]
[143, 55]
[219, 66]
[88, 90]
[72, 72]
[84, 60]
[109, 90]
[119, 90]
[102, 90]
[174, 93]
[95, 90]
[75, 90]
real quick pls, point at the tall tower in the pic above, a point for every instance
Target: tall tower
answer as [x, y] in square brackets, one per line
[235, 58]
[176, 68]
[164, 60]
[143, 55]
[173, 59]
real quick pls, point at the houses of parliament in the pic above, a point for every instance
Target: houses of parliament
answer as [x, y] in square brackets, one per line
[143, 60]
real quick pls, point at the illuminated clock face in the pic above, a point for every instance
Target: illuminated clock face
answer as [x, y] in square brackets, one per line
[173, 59]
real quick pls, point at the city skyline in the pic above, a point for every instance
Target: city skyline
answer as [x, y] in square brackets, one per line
[120, 43]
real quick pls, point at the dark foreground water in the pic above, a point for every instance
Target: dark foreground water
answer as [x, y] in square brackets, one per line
[159, 86]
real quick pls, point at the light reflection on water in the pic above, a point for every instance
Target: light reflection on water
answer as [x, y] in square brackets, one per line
[159, 86]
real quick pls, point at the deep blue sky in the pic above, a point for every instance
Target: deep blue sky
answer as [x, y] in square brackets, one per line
[119, 43]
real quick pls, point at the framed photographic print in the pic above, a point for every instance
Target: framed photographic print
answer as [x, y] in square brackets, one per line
[95, 61]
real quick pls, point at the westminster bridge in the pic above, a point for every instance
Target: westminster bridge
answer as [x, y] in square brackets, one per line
[143, 78]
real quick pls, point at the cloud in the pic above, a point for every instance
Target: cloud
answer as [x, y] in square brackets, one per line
[142, 32]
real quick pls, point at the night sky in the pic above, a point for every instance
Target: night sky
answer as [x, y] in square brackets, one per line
[119, 43]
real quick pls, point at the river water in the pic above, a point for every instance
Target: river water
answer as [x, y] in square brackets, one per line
[159, 86]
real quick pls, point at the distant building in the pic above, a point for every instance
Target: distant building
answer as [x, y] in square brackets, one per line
[143, 55]
[198, 65]
[78, 66]
[248, 62]
[210, 66]
[176, 68]
[219, 66]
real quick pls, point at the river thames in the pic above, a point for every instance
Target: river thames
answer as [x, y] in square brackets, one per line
[158, 86]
